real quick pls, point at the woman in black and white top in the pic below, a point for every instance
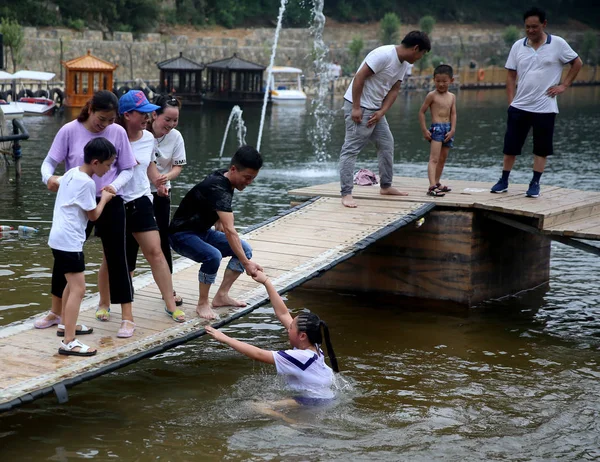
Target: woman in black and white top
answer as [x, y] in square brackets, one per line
[170, 159]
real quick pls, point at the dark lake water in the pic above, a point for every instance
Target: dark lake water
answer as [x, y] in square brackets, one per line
[512, 380]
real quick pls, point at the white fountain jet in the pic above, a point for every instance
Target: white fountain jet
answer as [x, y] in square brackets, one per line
[240, 127]
[270, 72]
[322, 114]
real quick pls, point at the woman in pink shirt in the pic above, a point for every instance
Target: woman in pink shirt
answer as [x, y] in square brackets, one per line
[97, 120]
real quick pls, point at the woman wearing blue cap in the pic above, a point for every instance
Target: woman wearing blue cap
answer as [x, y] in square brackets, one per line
[142, 231]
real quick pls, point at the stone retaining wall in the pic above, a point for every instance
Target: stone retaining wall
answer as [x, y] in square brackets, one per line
[137, 58]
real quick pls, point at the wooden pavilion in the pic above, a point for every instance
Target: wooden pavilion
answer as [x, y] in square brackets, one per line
[86, 75]
[182, 76]
[234, 80]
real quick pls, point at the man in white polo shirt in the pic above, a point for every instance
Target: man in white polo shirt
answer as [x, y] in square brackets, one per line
[535, 63]
[371, 93]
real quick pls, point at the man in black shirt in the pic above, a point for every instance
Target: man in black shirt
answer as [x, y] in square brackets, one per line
[191, 233]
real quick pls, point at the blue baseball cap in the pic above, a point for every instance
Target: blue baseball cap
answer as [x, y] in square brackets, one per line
[135, 100]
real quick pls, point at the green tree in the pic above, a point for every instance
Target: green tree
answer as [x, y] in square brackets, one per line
[14, 39]
[426, 24]
[510, 35]
[389, 29]
[589, 48]
[436, 61]
[140, 15]
[296, 14]
[355, 48]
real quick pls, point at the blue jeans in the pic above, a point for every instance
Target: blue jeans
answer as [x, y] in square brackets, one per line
[208, 248]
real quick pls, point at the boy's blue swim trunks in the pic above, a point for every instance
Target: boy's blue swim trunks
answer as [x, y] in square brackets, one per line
[439, 132]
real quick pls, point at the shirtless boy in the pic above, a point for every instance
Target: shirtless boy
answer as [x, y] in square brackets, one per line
[443, 126]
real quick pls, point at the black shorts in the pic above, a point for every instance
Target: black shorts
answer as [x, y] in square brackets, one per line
[517, 128]
[65, 262]
[139, 216]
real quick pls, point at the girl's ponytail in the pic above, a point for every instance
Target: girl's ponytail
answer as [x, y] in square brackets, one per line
[330, 352]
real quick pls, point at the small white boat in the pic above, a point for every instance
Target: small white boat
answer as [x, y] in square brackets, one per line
[11, 109]
[286, 85]
[28, 105]
[36, 106]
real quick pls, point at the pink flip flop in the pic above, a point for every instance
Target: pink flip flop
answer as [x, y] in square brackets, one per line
[43, 323]
[127, 329]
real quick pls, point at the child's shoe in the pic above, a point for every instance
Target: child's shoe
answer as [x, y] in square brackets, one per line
[127, 329]
[45, 322]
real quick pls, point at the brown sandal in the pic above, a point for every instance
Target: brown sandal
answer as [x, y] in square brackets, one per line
[443, 189]
[433, 191]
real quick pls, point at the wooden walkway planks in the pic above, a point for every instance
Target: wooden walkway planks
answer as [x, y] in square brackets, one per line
[292, 248]
[559, 211]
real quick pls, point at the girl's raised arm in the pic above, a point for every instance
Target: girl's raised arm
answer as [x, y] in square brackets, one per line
[279, 307]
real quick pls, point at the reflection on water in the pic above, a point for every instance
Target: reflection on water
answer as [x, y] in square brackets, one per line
[516, 379]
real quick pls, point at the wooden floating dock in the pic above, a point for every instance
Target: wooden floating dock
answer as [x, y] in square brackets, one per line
[293, 247]
[470, 246]
[474, 246]
[558, 211]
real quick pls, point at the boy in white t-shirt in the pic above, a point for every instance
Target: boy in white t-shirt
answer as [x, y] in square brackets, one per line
[370, 95]
[75, 205]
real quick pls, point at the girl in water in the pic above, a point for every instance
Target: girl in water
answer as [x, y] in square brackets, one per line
[303, 367]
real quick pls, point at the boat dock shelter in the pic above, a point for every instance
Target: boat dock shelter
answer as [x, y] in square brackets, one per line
[466, 247]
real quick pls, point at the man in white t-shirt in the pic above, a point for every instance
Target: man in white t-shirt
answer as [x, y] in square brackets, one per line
[370, 95]
[535, 63]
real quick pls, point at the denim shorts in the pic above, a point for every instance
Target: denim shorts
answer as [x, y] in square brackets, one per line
[439, 131]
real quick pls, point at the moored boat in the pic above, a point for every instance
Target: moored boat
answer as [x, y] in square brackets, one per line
[285, 84]
[36, 105]
[29, 103]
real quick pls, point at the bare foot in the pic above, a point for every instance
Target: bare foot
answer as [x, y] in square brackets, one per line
[206, 312]
[348, 201]
[391, 191]
[226, 300]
